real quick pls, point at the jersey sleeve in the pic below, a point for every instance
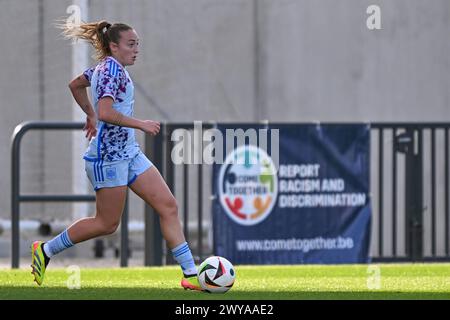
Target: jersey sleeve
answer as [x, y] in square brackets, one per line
[88, 73]
[108, 82]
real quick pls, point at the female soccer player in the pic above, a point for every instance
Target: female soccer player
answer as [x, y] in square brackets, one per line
[113, 159]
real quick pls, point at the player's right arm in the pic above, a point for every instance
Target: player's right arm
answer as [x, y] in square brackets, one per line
[78, 88]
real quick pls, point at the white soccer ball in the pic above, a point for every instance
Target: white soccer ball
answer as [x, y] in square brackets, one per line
[216, 274]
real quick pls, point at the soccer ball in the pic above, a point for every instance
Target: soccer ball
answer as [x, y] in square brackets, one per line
[216, 274]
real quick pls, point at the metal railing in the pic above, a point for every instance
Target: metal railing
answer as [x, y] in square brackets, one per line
[405, 172]
[402, 224]
[159, 149]
[17, 197]
[408, 230]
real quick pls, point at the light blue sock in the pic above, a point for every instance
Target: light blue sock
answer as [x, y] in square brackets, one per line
[182, 254]
[57, 244]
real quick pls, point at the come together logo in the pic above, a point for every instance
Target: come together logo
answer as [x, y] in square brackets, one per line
[248, 185]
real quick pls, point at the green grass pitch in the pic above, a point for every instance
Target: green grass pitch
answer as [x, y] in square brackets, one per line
[395, 281]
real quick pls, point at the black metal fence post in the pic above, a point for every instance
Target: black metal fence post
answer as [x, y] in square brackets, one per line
[415, 201]
[169, 175]
[153, 237]
[124, 247]
[15, 187]
[410, 143]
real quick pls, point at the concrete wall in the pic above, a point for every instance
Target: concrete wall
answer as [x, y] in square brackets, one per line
[320, 62]
[33, 86]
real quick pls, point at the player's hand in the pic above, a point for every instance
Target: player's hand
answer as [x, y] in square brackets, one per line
[90, 127]
[151, 127]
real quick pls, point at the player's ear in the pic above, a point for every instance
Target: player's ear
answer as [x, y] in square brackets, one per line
[113, 46]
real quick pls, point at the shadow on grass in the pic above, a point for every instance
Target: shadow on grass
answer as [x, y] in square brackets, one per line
[63, 293]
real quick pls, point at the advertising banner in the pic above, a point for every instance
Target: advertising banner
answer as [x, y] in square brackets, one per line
[291, 194]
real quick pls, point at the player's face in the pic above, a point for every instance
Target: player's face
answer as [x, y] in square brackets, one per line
[126, 50]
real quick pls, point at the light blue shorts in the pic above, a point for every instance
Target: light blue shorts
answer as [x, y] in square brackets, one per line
[104, 174]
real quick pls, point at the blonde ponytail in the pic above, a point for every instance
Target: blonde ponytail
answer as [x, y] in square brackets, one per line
[99, 34]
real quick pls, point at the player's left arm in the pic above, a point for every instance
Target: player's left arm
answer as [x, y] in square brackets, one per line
[78, 88]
